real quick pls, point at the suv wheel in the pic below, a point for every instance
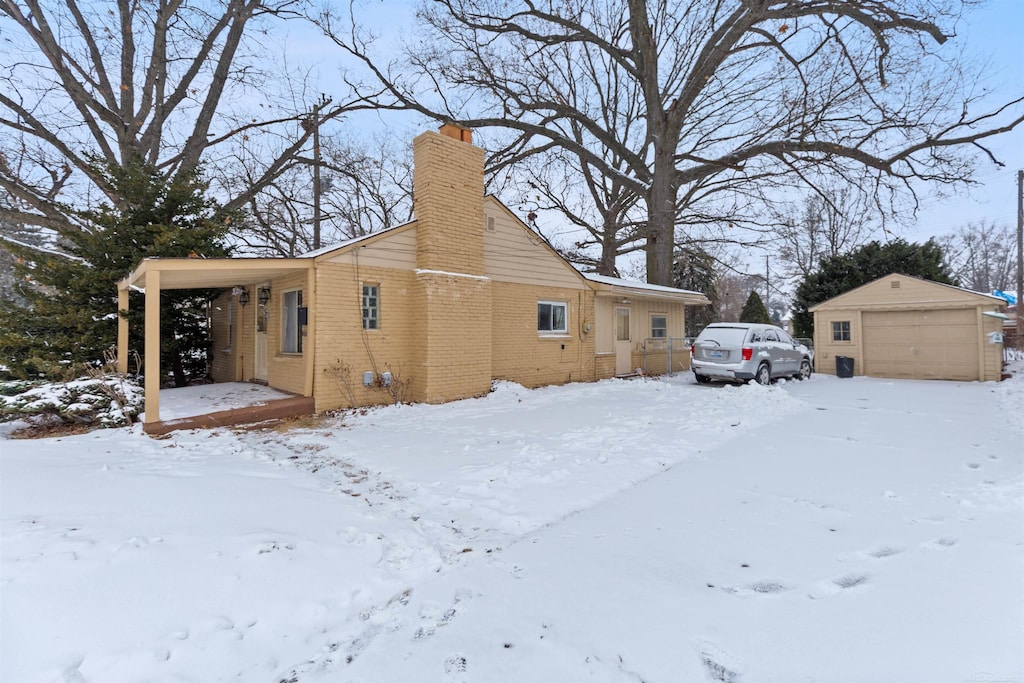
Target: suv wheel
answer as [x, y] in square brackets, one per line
[702, 379]
[763, 375]
[805, 369]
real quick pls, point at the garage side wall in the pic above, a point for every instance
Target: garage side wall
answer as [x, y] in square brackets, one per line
[826, 349]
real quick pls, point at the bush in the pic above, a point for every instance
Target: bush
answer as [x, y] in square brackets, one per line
[106, 401]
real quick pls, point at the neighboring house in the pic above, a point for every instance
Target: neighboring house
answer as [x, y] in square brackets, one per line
[905, 327]
[430, 311]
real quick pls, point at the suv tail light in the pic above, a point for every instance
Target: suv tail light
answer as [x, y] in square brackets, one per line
[747, 352]
[693, 350]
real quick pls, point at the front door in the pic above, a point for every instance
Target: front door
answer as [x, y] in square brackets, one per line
[259, 371]
[623, 343]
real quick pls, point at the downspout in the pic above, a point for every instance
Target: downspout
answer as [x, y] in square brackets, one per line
[311, 280]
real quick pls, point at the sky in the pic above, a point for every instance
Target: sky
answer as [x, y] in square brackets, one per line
[996, 29]
[841, 530]
[991, 35]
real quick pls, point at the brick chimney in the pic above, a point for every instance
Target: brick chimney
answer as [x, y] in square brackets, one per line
[448, 201]
[451, 298]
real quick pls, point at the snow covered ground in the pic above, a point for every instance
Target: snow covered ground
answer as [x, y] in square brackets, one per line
[830, 530]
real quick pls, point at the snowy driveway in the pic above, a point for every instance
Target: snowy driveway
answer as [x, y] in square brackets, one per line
[833, 530]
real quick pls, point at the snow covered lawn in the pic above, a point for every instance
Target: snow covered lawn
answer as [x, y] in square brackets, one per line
[830, 530]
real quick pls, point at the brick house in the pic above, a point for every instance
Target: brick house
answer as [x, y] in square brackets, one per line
[433, 310]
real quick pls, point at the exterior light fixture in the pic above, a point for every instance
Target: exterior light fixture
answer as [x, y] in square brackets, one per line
[243, 298]
[263, 296]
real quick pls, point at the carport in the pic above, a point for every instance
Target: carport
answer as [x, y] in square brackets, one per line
[908, 328]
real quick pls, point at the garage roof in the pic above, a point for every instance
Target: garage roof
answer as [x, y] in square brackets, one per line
[904, 291]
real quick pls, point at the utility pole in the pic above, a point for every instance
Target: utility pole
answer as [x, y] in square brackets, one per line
[314, 122]
[1020, 259]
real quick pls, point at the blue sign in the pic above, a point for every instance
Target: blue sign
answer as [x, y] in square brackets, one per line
[1006, 296]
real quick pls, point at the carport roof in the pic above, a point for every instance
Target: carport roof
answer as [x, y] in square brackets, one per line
[191, 273]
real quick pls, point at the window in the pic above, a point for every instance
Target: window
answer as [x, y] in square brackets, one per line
[659, 326]
[622, 325]
[552, 317]
[841, 330]
[293, 313]
[371, 307]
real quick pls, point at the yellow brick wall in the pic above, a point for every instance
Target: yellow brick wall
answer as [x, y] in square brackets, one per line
[522, 355]
[604, 366]
[453, 330]
[344, 351]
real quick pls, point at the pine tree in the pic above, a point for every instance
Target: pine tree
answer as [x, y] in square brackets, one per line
[754, 311]
[839, 274]
[70, 314]
[694, 269]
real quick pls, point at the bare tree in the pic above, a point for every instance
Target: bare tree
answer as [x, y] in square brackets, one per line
[365, 187]
[981, 256]
[87, 86]
[730, 91]
[829, 222]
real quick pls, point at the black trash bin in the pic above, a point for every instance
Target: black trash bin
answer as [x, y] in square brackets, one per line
[844, 366]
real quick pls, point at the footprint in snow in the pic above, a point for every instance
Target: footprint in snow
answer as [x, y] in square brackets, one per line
[720, 665]
[944, 543]
[764, 587]
[973, 465]
[434, 617]
[455, 668]
[877, 554]
[832, 587]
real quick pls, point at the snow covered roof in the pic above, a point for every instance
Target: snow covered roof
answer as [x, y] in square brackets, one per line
[619, 286]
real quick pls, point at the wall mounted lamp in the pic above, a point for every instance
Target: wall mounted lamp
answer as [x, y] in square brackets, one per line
[243, 297]
[263, 296]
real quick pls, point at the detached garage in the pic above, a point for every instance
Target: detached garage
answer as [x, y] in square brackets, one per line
[904, 327]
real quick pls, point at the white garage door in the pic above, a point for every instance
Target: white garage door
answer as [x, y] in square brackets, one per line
[939, 344]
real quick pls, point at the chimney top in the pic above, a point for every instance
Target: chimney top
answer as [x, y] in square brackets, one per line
[453, 130]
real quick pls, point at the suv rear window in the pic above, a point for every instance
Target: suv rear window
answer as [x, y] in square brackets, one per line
[725, 336]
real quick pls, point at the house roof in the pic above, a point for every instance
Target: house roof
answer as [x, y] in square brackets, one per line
[613, 286]
[854, 297]
[178, 273]
[355, 241]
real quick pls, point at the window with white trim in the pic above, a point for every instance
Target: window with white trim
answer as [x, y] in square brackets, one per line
[552, 317]
[291, 323]
[841, 330]
[659, 327]
[371, 307]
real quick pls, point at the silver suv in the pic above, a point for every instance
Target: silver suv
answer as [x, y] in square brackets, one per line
[737, 352]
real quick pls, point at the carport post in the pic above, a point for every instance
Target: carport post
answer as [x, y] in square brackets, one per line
[152, 346]
[122, 328]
